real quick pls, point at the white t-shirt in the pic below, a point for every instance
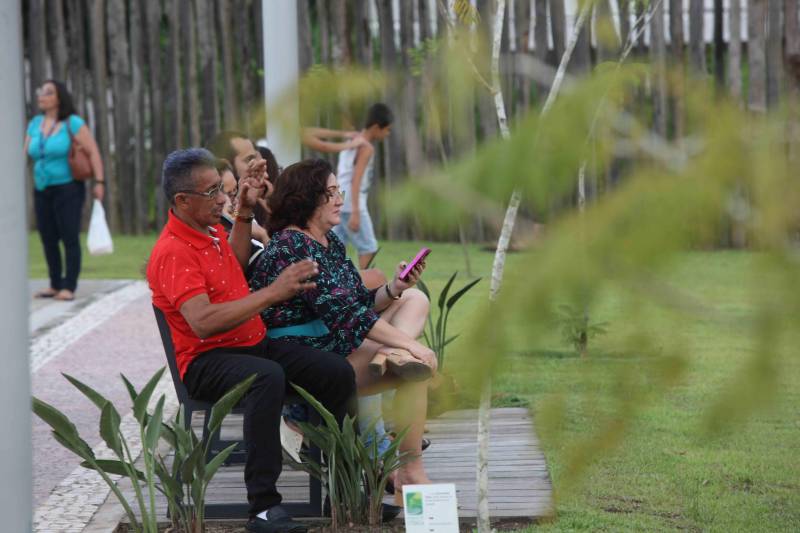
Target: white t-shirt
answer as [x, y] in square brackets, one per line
[344, 175]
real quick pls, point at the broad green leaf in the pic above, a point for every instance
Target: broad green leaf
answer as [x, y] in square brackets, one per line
[153, 430]
[457, 296]
[113, 466]
[188, 467]
[326, 415]
[75, 444]
[98, 399]
[451, 339]
[54, 418]
[214, 464]
[143, 399]
[129, 386]
[168, 434]
[443, 294]
[109, 428]
[224, 405]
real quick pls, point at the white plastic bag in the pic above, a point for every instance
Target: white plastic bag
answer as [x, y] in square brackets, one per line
[99, 238]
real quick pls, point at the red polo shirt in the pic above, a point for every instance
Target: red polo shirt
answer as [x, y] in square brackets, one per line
[185, 263]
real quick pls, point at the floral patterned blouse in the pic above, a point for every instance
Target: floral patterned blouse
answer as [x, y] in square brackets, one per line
[339, 300]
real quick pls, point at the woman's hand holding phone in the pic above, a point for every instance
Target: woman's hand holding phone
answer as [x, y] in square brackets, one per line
[406, 276]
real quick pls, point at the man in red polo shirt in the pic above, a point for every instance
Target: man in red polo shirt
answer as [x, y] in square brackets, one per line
[197, 279]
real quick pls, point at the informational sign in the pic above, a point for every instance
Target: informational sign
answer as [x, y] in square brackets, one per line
[430, 508]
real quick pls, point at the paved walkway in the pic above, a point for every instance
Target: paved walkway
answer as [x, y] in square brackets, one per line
[109, 329]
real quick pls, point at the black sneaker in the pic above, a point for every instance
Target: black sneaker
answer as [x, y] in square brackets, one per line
[278, 521]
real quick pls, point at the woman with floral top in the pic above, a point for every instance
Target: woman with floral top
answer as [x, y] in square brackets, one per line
[340, 314]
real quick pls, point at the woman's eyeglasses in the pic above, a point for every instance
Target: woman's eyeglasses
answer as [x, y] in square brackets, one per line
[209, 194]
[333, 192]
[45, 92]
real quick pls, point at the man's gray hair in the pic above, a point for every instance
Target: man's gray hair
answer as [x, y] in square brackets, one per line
[178, 169]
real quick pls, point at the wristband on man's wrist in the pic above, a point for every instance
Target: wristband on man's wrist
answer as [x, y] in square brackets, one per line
[243, 218]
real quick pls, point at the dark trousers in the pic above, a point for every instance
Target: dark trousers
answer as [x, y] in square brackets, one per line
[58, 219]
[328, 377]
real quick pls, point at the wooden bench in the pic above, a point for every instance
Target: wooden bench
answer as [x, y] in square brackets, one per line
[313, 507]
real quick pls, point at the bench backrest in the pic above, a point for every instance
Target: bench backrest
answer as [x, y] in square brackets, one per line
[169, 350]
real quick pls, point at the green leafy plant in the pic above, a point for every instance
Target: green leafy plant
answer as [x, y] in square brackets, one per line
[183, 484]
[435, 332]
[576, 328]
[353, 472]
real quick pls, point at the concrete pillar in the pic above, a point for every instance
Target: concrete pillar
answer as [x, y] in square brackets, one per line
[15, 410]
[281, 71]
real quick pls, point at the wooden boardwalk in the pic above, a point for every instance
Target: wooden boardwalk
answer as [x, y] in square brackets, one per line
[519, 486]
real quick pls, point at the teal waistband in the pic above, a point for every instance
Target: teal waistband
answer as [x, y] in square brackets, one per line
[315, 328]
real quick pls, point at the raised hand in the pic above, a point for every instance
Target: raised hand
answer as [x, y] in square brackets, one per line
[254, 184]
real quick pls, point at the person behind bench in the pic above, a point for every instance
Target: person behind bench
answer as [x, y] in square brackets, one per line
[197, 280]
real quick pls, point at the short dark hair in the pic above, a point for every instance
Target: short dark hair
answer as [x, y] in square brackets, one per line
[220, 145]
[65, 106]
[177, 174]
[273, 168]
[379, 114]
[299, 190]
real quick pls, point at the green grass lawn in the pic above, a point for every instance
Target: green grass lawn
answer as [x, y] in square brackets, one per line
[664, 473]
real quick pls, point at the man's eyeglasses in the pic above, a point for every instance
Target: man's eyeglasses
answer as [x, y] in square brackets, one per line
[332, 192]
[209, 194]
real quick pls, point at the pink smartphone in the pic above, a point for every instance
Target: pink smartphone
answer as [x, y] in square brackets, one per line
[423, 253]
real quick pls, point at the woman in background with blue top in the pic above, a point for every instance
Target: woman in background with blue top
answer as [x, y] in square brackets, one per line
[58, 198]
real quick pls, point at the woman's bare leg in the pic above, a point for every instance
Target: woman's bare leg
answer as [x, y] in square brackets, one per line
[407, 314]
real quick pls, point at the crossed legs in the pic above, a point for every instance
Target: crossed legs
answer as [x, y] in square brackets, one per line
[407, 314]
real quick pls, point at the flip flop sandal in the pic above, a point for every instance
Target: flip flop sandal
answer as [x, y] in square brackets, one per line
[46, 294]
[64, 298]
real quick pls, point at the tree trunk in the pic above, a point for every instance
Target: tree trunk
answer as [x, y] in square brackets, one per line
[581, 62]
[207, 48]
[522, 85]
[756, 54]
[340, 44]
[658, 54]
[558, 21]
[189, 63]
[792, 34]
[697, 43]
[774, 52]
[136, 109]
[486, 112]
[305, 48]
[625, 22]
[37, 49]
[719, 45]
[175, 107]
[425, 30]
[77, 54]
[735, 50]
[157, 123]
[57, 39]
[226, 34]
[97, 24]
[607, 50]
[410, 132]
[540, 32]
[247, 62]
[389, 64]
[121, 81]
[363, 36]
[323, 19]
[677, 53]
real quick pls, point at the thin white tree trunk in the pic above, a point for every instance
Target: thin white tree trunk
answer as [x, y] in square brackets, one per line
[503, 242]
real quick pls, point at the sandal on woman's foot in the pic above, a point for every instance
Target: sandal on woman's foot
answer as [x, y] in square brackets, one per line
[404, 365]
[46, 293]
[64, 296]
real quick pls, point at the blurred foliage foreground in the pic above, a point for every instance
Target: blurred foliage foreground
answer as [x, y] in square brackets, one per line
[732, 168]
